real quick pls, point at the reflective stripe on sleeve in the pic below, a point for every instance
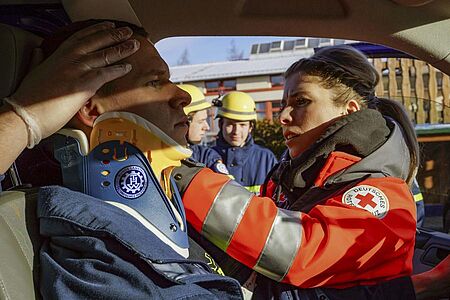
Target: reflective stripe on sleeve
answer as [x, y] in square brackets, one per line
[281, 246]
[230, 205]
[418, 197]
[254, 188]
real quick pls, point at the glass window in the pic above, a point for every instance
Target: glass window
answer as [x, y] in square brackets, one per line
[276, 108]
[277, 80]
[220, 85]
[339, 42]
[313, 43]
[229, 84]
[276, 46]
[276, 104]
[300, 43]
[325, 41]
[254, 49]
[264, 48]
[212, 86]
[288, 45]
[261, 110]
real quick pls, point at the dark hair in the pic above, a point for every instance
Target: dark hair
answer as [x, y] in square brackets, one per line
[51, 43]
[350, 75]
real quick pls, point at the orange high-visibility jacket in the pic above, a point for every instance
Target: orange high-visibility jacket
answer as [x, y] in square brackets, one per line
[362, 234]
[335, 244]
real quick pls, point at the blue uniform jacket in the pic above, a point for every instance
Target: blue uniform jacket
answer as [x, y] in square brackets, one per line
[205, 155]
[420, 206]
[249, 165]
[93, 250]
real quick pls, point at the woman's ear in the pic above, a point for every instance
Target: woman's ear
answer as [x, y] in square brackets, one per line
[88, 113]
[352, 106]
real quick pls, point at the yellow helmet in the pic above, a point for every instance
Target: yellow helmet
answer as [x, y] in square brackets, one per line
[198, 101]
[237, 106]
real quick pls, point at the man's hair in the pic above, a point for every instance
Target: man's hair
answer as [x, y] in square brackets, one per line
[51, 43]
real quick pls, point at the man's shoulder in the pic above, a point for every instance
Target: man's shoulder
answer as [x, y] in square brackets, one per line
[67, 212]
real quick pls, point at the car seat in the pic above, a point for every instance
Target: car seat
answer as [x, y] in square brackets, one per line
[19, 231]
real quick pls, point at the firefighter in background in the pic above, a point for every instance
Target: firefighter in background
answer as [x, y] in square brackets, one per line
[246, 161]
[197, 112]
[420, 205]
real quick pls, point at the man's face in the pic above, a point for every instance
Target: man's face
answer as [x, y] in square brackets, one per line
[236, 132]
[148, 92]
[198, 127]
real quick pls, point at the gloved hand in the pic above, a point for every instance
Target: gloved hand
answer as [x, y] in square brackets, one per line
[184, 174]
[56, 89]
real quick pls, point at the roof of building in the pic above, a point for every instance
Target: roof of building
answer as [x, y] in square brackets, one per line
[232, 69]
[263, 64]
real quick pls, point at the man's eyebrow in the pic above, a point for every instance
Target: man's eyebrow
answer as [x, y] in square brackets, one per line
[153, 72]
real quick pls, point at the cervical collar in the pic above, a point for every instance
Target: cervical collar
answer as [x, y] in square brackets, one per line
[162, 152]
[129, 165]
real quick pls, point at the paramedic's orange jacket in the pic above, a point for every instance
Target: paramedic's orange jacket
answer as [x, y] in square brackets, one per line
[362, 235]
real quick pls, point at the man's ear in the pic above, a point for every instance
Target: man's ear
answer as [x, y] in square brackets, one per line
[88, 113]
[352, 106]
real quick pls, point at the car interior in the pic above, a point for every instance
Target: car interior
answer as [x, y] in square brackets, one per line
[417, 27]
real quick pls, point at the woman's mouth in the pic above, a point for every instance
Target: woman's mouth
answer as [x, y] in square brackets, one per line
[289, 136]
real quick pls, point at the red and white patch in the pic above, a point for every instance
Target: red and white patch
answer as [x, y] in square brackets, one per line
[369, 198]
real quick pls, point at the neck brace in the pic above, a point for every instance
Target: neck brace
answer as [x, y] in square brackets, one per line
[162, 152]
[128, 165]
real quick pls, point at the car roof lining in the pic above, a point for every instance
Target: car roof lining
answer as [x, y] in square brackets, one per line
[421, 31]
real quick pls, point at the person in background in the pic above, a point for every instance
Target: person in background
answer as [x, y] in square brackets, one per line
[197, 112]
[420, 206]
[246, 161]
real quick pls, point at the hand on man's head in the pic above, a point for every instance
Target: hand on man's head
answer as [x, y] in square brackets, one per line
[56, 89]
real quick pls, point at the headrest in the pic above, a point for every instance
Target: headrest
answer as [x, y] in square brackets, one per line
[16, 52]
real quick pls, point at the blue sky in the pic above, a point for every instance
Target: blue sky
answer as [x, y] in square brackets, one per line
[207, 49]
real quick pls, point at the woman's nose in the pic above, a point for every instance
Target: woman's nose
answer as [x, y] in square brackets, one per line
[285, 115]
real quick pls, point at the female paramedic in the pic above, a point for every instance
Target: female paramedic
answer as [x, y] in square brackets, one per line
[336, 213]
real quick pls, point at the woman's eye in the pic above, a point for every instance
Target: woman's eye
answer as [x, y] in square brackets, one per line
[302, 102]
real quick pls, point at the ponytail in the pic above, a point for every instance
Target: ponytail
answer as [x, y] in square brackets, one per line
[396, 111]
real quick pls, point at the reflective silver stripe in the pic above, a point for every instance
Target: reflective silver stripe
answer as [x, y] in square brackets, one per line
[231, 111]
[225, 214]
[194, 103]
[281, 245]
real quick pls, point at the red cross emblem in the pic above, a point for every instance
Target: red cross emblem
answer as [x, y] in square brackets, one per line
[369, 198]
[366, 200]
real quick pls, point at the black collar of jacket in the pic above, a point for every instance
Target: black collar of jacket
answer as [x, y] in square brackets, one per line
[359, 134]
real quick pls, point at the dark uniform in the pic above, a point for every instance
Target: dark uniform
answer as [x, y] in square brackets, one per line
[249, 165]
